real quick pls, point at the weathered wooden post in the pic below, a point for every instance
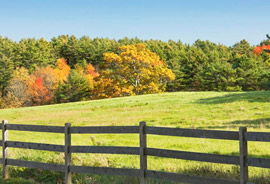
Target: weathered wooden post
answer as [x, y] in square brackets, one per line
[5, 149]
[143, 156]
[243, 149]
[67, 153]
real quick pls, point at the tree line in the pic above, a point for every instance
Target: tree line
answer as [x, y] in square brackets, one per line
[67, 68]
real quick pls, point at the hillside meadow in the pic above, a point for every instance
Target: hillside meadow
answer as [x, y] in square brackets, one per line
[200, 110]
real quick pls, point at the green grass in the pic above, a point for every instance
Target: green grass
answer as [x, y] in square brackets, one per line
[201, 110]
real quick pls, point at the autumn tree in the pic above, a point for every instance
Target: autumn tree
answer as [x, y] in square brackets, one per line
[91, 70]
[49, 79]
[38, 92]
[62, 70]
[135, 70]
[107, 87]
[264, 52]
[44, 81]
[16, 93]
[259, 49]
[42, 85]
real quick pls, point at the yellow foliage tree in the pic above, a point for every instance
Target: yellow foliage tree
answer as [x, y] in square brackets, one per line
[136, 70]
[62, 70]
[105, 87]
[16, 93]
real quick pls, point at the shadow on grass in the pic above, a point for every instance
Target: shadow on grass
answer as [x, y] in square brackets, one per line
[253, 96]
[36, 176]
[229, 174]
[19, 175]
[16, 181]
[262, 123]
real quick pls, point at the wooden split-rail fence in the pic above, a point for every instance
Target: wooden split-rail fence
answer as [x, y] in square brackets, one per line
[243, 160]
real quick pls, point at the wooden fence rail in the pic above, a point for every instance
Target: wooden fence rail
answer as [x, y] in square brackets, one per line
[142, 151]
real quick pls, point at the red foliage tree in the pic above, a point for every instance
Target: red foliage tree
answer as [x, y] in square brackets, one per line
[40, 94]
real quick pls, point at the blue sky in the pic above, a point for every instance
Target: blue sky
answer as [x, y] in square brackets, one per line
[220, 21]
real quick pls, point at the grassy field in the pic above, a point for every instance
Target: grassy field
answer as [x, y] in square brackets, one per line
[201, 110]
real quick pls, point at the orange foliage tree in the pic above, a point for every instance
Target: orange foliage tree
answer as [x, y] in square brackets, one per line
[39, 93]
[91, 70]
[49, 81]
[259, 49]
[264, 51]
[90, 74]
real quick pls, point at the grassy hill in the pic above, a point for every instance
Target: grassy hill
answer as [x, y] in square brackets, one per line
[202, 110]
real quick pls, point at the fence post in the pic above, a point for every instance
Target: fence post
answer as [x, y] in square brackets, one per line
[143, 157]
[243, 155]
[67, 153]
[5, 149]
